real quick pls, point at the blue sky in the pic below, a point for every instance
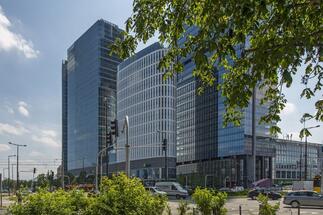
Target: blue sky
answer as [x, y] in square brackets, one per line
[34, 37]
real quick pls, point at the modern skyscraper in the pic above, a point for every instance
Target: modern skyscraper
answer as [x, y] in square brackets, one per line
[89, 96]
[149, 101]
[208, 153]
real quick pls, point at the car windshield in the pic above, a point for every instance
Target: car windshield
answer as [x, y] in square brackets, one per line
[156, 189]
[179, 187]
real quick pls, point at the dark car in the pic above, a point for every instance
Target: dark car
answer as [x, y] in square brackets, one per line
[253, 194]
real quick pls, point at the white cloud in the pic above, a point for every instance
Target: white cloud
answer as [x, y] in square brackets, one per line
[47, 137]
[12, 129]
[10, 40]
[22, 108]
[50, 133]
[4, 147]
[289, 109]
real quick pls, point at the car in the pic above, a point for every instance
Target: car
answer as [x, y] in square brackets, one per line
[172, 189]
[237, 189]
[273, 195]
[225, 189]
[253, 194]
[303, 198]
[156, 191]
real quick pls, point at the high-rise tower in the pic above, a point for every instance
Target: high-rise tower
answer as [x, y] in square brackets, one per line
[89, 96]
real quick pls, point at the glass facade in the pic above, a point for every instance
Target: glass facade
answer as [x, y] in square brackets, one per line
[90, 77]
[207, 152]
[289, 161]
[150, 103]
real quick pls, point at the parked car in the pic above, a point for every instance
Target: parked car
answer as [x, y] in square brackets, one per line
[303, 198]
[237, 189]
[172, 189]
[225, 189]
[253, 194]
[155, 191]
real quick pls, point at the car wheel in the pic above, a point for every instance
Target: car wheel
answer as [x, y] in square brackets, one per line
[178, 196]
[295, 204]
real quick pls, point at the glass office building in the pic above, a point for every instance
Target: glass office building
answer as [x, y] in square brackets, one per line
[208, 153]
[89, 96]
[150, 103]
[289, 163]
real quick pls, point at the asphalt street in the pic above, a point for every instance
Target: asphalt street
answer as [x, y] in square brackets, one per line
[251, 207]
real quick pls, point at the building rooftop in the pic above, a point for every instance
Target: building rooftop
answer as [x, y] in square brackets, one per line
[140, 54]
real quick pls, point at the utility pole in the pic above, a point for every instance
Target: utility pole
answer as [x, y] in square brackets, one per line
[97, 168]
[300, 161]
[62, 172]
[0, 190]
[126, 130]
[253, 131]
[105, 99]
[165, 149]
[17, 145]
[9, 172]
[305, 163]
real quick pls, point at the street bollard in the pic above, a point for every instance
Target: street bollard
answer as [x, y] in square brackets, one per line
[240, 212]
[299, 210]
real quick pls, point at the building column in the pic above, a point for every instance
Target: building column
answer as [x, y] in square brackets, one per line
[263, 167]
[270, 174]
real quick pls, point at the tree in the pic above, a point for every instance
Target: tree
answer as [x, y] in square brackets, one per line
[265, 207]
[123, 195]
[209, 201]
[261, 43]
[42, 181]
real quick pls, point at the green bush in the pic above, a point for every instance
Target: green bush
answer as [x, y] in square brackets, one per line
[266, 208]
[209, 201]
[121, 195]
[52, 203]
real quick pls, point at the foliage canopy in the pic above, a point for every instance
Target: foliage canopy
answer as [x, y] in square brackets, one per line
[209, 201]
[274, 37]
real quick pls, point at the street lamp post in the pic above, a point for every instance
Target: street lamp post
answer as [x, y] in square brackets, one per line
[164, 148]
[17, 145]
[305, 162]
[97, 168]
[126, 130]
[9, 172]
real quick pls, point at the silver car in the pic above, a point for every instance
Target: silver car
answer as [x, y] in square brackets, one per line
[155, 191]
[303, 198]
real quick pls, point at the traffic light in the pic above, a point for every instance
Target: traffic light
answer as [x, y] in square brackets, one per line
[109, 139]
[34, 171]
[164, 145]
[114, 128]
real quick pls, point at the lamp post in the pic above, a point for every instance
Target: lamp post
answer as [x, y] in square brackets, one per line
[97, 168]
[17, 145]
[126, 130]
[305, 164]
[9, 172]
[164, 148]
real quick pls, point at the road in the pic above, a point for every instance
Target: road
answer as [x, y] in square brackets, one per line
[5, 203]
[251, 207]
